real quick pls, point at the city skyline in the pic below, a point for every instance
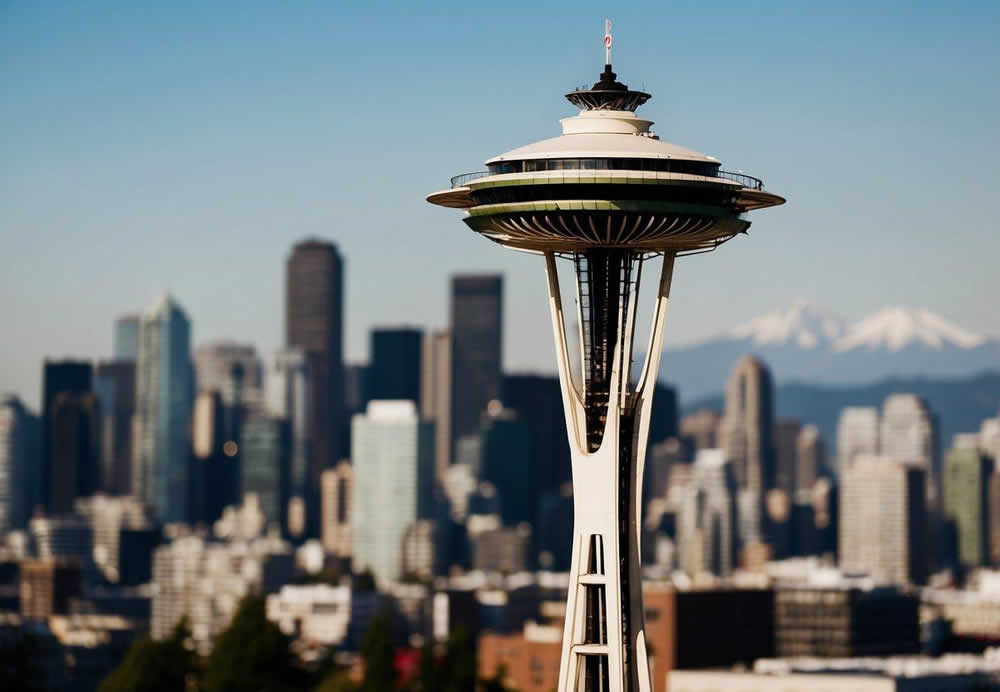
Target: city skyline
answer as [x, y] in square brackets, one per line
[216, 172]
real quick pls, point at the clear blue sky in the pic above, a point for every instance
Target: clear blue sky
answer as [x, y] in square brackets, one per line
[187, 145]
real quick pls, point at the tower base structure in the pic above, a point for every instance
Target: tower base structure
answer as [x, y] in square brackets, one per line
[604, 640]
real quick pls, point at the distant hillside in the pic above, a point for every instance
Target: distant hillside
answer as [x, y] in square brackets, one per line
[961, 404]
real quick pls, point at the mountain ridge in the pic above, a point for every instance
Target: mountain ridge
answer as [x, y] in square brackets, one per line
[812, 344]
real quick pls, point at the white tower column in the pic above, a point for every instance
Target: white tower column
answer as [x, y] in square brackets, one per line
[604, 646]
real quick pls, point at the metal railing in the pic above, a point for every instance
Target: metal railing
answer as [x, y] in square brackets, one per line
[460, 180]
[741, 178]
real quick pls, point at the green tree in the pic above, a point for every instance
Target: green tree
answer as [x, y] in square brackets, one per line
[337, 681]
[252, 654]
[164, 666]
[378, 654]
[458, 666]
[427, 678]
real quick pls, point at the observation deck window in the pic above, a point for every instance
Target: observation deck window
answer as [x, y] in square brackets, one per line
[605, 164]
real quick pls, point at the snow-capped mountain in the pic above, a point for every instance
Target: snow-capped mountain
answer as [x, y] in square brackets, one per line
[896, 327]
[808, 343]
[802, 323]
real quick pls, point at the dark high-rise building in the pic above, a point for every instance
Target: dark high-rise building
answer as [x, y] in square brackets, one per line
[58, 376]
[114, 385]
[265, 470]
[355, 388]
[966, 503]
[663, 418]
[74, 435]
[538, 402]
[394, 370]
[126, 338]
[507, 461]
[476, 331]
[135, 554]
[314, 322]
[20, 491]
[215, 470]
[786, 442]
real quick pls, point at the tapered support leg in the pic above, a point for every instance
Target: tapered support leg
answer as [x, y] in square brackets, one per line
[604, 646]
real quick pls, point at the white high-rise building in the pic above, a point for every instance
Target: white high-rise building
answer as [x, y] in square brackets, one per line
[857, 433]
[164, 397]
[288, 397]
[393, 455]
[706, 523]
[882, 516]
[909, 433]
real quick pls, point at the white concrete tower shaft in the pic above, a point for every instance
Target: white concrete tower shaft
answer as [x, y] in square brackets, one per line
[604, 642]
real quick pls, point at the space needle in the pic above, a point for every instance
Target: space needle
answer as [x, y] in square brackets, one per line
[606, 197]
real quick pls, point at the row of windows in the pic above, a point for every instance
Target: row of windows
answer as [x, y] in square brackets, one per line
[666, 193]
[619, 164]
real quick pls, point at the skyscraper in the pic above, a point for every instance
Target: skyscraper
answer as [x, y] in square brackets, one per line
[75, 423]
[114, 385]
[232, 369]
[786, 443]
[966, 502]
[126, 338]
[394, 369]
[58, 377]
[214, 471]
[748, 425]
[538, 402]
[164, 394]
[435, 395]
[909, 433]
[857, 433]
[706, 523]
[338, 494]
[882, 517]
[810, 457]
[266, 443]
[314, 322]
[508, 462]
[476, 361]
[393, 456]
[288, 393]
[703, 428]
[20, 491]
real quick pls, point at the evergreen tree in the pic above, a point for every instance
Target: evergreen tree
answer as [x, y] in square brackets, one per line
[458, 672]
[337, 681]
[378, 654]
[164, 666]
[252, 655]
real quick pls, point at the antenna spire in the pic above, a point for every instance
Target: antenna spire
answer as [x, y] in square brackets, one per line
[607, 41]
